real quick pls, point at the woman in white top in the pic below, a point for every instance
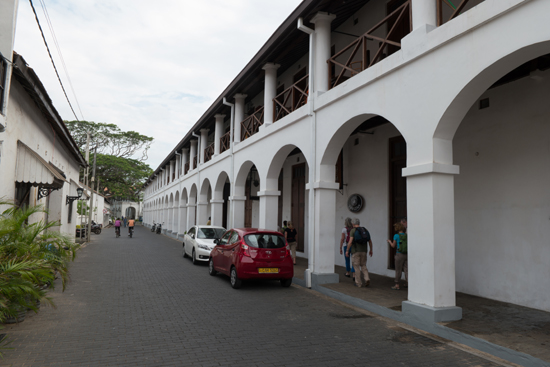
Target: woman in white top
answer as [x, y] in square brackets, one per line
[344, 245]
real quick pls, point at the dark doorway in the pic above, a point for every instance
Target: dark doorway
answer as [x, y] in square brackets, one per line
[398, 189]
[298, 202]
[280, 201]
[226, 194]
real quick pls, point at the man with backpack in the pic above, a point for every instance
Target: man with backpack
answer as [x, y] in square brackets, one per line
[359, 242]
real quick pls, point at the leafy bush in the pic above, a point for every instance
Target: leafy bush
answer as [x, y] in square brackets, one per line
[30, 257]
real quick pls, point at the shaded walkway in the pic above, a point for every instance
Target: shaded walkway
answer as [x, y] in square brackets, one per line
[517, 328]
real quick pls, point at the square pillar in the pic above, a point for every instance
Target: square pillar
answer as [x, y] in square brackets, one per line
[237, 212]
[424, 13]
[218, 132]
[193, 154]
[270, 91]
[239, 116]
[182, 225]
[431, 233]
[269, 207]
[204, 142]
[202, 213]
[191, 215]
[217, 212]
[321, 259]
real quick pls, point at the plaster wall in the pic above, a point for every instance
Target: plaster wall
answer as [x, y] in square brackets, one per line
[28, 125]
[502, 202]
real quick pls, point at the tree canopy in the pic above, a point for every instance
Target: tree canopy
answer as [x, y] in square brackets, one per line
[118, 172]
[109, 139]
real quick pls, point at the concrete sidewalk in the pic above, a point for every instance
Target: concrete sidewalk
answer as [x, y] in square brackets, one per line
[518, 334]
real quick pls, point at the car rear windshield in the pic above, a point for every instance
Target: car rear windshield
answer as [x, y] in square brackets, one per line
[210, 233]
[265, 240]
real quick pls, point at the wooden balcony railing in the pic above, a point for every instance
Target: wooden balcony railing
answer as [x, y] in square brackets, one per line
[252, 123]
[358, 54]
[195, 162]
[291, 98]
[186, 168]
[208, 152]
[225, 141]
[455, 10]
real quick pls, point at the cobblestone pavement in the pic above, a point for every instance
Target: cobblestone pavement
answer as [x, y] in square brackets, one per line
[137, 302]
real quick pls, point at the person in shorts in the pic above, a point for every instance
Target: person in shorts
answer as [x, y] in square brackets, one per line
[117, 226]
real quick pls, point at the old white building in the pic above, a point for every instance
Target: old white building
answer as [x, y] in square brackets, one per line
[39, 160]
[424, 111]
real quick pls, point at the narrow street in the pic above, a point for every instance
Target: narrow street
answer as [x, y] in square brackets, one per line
[137, 302]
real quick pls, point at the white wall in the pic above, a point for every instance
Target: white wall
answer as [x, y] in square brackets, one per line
[502, 201]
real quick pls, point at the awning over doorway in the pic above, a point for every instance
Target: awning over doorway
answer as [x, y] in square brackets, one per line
[33, 170]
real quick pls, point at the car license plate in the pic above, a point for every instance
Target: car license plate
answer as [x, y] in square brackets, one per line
[268, 270]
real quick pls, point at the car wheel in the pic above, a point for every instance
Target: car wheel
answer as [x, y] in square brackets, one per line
[235, 281]
[194, 258]
[286, 282]
[211, 269]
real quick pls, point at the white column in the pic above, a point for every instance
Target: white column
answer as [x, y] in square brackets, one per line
[424, 12]
[193, 154]
[191, 215]
[239, 116]
[322, 261]
[270, 91]
[184, 159]
[217, 212]
[202, 212]
[178, 165]
[237, 203]
[171, 172]
[204, 142]
[269, 208]
[218, 132]
[322, 47]
[183, 219]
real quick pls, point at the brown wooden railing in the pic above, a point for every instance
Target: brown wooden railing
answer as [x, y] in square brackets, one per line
[291, 98]
[225, 141]
[186, 168]
[456, 10]
[359, 49]
[252, 123]
[195, 162]
[208, 152]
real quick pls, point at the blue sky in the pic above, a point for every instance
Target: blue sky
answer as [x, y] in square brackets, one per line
[150, 68]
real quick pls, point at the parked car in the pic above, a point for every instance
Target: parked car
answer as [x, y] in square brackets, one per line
[251, 253]
[199, 241]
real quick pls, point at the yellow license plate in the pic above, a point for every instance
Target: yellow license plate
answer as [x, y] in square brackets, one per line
[268, 270]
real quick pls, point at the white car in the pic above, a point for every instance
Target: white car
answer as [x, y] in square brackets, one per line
[199, 241]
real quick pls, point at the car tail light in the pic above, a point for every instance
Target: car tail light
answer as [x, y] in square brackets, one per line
[246, 251]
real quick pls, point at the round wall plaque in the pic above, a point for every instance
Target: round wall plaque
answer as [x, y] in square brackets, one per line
[355, 203]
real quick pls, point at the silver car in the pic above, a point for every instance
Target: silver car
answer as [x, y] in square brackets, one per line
[199, 241]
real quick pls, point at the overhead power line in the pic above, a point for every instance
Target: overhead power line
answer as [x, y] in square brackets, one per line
[51, 58]
[50, 25]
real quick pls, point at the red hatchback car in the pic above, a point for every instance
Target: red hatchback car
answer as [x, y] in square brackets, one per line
[251, 253]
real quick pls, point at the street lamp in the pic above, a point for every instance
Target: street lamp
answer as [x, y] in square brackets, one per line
[79, 192]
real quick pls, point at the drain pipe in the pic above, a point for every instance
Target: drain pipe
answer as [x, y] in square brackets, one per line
[312, 168]
[232, 174]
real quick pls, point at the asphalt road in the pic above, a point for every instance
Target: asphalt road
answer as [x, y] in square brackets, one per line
[137, 302]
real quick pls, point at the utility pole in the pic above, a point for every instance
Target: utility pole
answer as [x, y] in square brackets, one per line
[87, 157]
[91, 199]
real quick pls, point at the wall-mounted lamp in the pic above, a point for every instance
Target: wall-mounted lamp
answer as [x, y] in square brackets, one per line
[79, 192]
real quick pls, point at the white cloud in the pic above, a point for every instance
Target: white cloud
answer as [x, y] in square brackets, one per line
[150, 68]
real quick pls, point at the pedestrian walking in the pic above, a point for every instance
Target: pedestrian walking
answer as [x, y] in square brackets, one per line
[399, 243]
[209, 221]
[283, 228]
[344, 239]
[290, 236]
[124, 221]
[358, 245]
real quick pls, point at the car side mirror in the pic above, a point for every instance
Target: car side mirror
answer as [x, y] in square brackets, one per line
[217, 241]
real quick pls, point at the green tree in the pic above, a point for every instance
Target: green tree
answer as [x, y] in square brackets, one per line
[82, 208]
[120, 174]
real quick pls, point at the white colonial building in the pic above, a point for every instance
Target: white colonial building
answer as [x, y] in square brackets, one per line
[422, 110]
